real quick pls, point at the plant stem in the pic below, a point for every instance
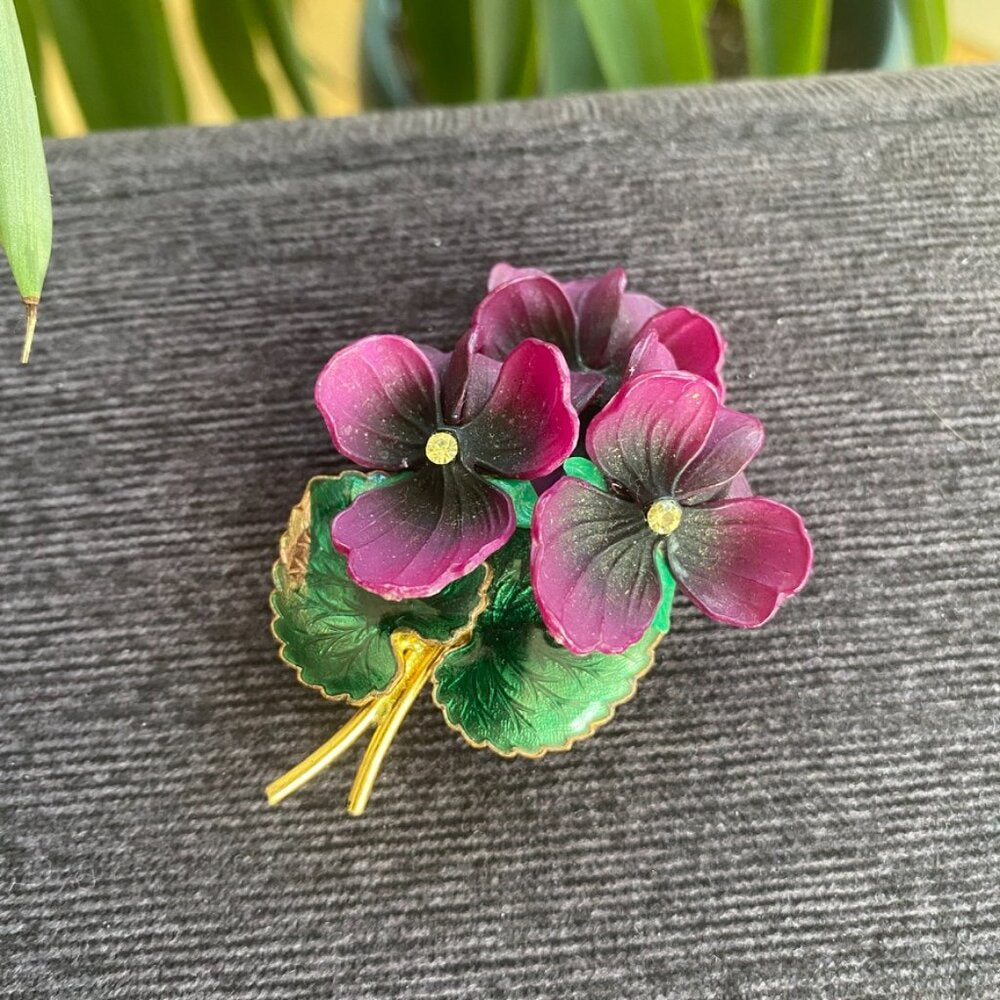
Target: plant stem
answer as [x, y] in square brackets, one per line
[341, 741]
[31, 318]
[418, 658]
[420, 662]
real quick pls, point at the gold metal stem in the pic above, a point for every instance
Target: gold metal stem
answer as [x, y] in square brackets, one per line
[341, 741]
[420, 658]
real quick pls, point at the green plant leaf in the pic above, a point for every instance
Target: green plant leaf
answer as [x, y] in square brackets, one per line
[502, 31]
[31, 36]
[583, 468]
[120, 61]
[277, 24]
[438, 37]
[786, 36]
[566, 60]
[513, 688]
[649, 41]
[25, 203]
[228, 45]
[661, 620]
[522, 495]
[335, 633]
[928, 21]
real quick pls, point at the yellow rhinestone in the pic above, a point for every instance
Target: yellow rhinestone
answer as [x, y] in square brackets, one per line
[441, 448]
[664, 516]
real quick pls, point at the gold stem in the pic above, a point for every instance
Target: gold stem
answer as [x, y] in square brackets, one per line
[420, 658]
[341, 741]
[31, 309]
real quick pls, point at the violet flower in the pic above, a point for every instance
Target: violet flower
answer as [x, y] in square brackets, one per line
[448, 423]
[606, 334]
[669, 453]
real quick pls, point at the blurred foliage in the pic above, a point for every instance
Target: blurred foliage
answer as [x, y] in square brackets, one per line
[121, 58]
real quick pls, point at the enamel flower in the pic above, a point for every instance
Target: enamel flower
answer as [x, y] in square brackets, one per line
[670, 459]
[606, 334]
[448, 426]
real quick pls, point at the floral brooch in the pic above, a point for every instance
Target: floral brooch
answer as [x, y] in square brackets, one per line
[523, 511]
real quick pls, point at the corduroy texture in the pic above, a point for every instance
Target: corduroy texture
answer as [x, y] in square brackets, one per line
[812, 810]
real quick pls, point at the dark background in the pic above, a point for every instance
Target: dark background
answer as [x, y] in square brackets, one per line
[806, 811]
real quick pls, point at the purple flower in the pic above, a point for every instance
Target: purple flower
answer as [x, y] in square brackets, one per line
[673, 459]
[449, 421]
[605, 333]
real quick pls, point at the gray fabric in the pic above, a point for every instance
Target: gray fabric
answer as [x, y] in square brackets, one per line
[806, 811]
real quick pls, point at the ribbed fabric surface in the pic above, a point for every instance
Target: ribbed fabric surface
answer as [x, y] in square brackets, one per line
[807, 811]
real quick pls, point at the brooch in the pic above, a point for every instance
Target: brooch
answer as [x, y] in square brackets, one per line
[523, 510]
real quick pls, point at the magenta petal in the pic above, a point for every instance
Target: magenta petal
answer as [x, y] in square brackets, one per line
[379, 400]
[455, 376]
[528, 426]
[482, 379]
[694, 341]
[735, 438]
[739, 559]
[597, 312]
[577, 290]
[503, 272]
[738, 487]
[633, 315]
[609, 319]
[655, 425]
[649, 355]
[584, 386]
[418, 534]
[530, 306]
[593, 568]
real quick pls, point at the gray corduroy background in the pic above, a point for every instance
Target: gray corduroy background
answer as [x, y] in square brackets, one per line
[811, 810]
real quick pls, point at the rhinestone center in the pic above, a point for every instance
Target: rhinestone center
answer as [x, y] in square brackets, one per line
[664, 516]
[441, 448]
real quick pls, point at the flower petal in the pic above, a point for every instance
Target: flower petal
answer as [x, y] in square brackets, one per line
[379, 398]
[583, 387]
[593, 568]
[649, 355]
[466, 378]
[656, 424]
[416, 535]
[503, 272]
[529, 306]
[597, 307]
[734, 440]
[694, 341]
[528, 426]
[455, 376]
[739, 487]
[480, 383]
[739, 559]
[609, 319]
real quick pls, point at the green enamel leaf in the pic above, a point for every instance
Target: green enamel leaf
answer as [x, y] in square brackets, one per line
[335, 633]
[513, 688]
[661, 620]
[522, 495]
[582, 468]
